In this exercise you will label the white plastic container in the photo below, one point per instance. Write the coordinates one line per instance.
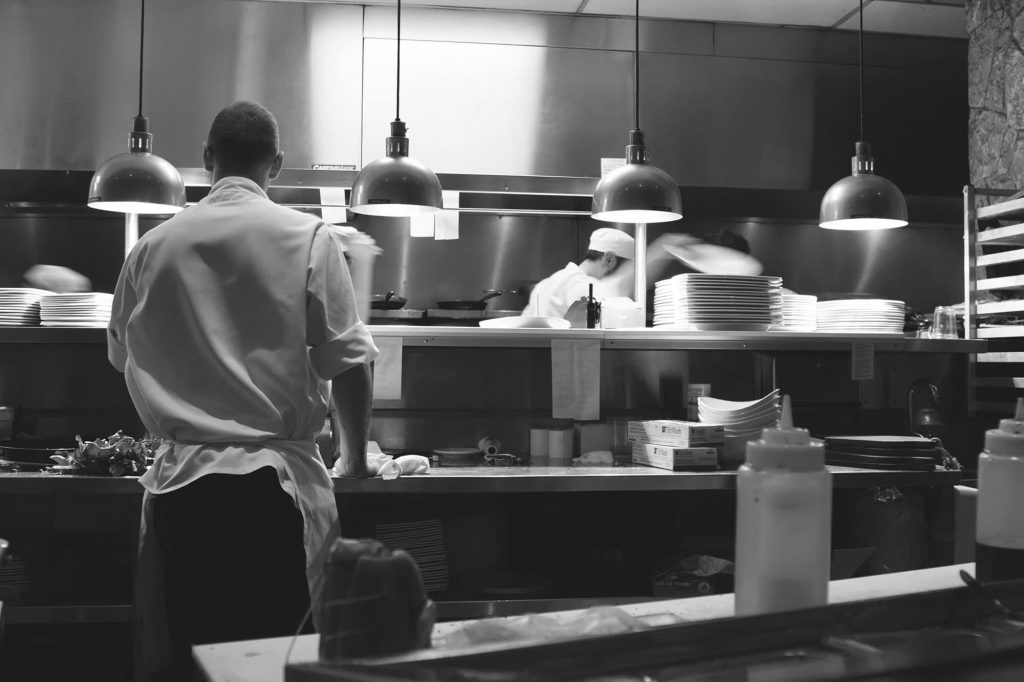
(783, 522)
(999, 541)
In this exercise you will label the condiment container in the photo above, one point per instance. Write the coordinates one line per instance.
(783, 521)
(999, 540)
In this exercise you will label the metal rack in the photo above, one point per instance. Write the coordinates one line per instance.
(994, 297)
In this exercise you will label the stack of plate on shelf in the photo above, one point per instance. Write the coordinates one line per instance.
(718, 302)
(424, 542)
(861, 315)
(19, 306)
(76, 310)
(741, 419)
(799, 313)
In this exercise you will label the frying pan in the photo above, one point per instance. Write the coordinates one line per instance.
(463, 304)
(388, 301)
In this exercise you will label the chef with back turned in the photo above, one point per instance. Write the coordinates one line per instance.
(235, 325)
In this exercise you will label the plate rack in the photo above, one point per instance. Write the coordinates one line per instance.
(994, 297)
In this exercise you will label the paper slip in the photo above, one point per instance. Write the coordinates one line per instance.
(576, 379)
(387, 369)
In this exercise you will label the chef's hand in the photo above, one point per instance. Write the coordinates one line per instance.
(577, 314)
(657, 248)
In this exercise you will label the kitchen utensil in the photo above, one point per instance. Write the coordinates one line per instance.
(466, 304)
(388, 301)
(714, 259)
(458, 457)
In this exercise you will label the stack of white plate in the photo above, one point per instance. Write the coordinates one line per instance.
(19, 306)
(718, 302)
(799, 313)
(861, 315)
(741, 419)
(76, 310)
(424, 541)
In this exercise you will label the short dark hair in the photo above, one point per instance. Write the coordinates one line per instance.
(598, 255)
(729, 239)
(243, 136)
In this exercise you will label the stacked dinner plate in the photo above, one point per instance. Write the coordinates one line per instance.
(424, 541)
(799, 313)
(19, 306)
(718, 302)
(741, 419)
(861, 315)
(76, 310)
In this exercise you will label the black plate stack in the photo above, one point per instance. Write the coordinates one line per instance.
(883, 452)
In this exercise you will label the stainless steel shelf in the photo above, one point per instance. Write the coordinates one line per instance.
(455, 480)
(484, 479)
(612, 339)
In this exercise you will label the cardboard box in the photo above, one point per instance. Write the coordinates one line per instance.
(676, 433)
(675, 459)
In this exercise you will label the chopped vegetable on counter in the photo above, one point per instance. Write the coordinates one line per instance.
(116, 455)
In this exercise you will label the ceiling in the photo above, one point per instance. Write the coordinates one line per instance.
(938, 18)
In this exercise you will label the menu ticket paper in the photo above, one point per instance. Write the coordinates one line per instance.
(576, 379)
(387, 369)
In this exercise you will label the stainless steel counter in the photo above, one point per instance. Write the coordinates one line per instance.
(611, 339)
(455, 480)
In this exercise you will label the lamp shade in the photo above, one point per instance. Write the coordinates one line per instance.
(863, 200)
(137, 181)
(396, 186)
(637, 193)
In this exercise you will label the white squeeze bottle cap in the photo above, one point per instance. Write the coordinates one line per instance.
(786, 446)
(1008, 439)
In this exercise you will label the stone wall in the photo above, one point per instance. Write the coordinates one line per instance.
(995, 92)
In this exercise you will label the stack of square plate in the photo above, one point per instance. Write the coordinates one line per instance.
(799, 313)
(741, 419)
(424, 542)
(861, 315)
(718, 302)
(76, 310)
(19, 306)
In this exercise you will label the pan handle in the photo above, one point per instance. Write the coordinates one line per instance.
(491, 293)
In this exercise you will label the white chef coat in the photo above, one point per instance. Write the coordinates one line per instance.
(551, 297)
(228, 321)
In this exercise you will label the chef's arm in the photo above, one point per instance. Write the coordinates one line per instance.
(659, 259)
(351, 393)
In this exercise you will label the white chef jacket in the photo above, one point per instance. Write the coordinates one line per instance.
(551, 297)
(228, 321)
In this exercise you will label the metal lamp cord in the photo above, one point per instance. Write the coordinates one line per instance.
(142, 44)
(636, 66)
(860, 62)
(398, 61)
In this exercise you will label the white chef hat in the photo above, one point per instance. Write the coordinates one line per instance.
(608, 239)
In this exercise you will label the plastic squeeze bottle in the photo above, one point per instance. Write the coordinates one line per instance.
(999, 543)
(783, 521)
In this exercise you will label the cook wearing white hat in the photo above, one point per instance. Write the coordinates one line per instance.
(607, 250)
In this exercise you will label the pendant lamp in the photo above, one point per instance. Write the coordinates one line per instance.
(396, 186)
(637, 192)
(863, 201)
(138, 181)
